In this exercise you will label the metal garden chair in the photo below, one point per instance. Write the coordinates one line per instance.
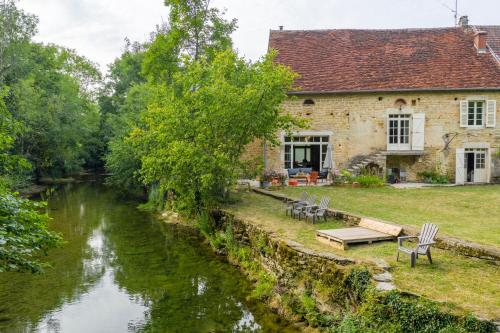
(290, 203)
(299, 207)
(317, 212)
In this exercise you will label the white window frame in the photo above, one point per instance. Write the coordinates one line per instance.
(483, 113)
(399, 114)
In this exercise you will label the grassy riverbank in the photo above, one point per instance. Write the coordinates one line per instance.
(466, 283)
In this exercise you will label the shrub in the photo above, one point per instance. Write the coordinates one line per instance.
(369, 181)
(433, 177)
(346, 176)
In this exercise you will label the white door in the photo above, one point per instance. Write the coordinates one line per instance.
(398, 132)
(480, 166)
(460, 166)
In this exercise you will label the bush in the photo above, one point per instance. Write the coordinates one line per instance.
(342, 176)
(433, 177)
(369, 181)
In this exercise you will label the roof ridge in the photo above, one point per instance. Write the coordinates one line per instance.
(367, 29)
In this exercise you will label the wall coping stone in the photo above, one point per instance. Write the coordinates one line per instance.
(460, 246)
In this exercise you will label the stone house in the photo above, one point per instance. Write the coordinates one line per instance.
(397, 102)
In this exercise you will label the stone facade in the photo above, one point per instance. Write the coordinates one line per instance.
(358, 126)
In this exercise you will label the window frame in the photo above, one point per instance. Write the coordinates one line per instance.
(290, 142)
(475, 113)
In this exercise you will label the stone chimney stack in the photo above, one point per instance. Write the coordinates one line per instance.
(480, 41)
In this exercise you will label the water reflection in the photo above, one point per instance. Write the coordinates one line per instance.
(104, 308)
(122, 271)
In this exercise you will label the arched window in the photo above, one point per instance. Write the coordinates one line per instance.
(309, 102)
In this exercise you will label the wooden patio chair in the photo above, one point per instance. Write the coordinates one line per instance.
(424, 243)
(317, 212)
(299, 207)
(290, 203)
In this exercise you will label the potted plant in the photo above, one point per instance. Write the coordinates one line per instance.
(281, 178)
(265, 179)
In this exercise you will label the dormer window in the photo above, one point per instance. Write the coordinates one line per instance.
(309, 102)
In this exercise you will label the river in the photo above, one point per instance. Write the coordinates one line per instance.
(122, 270)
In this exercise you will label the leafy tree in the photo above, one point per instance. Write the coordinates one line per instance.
(23, 230)
(124, 97)
(58, 115)
(195, 30)
(23, 234)
(200, 29)
(16, 30)
(193, 135)
(11, 166)
(123, 159)
(50, 93)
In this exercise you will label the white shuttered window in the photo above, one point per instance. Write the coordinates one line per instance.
(478, 114)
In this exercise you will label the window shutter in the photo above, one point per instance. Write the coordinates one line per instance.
(418, 129)
(491, 113)
(460, 166)
(463, 113)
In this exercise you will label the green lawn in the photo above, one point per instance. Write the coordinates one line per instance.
(471, 284)
(467, 212)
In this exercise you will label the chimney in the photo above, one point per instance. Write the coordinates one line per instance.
(463, 21)
(480, 41)
(281, 28)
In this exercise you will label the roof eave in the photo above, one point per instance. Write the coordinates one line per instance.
(330, 92)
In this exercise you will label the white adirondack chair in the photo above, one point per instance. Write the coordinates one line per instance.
(423, 246)
(316, 212)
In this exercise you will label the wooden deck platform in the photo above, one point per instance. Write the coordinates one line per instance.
(368, 231)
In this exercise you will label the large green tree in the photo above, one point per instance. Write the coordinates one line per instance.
(58, 113)
(50, 94)
(193, 135)
(16, 30)
(24, 236)
(48, 118)
(124, 96)
(195, 30)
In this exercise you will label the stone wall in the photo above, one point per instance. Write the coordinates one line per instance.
(358, 122)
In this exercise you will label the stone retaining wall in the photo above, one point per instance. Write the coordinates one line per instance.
(456, 245)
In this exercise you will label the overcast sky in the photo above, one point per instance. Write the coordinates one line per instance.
(97, 28)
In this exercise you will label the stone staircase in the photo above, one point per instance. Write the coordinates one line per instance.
(357, 163)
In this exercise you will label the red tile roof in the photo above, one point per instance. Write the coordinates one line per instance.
(385, 60)
(493, 38)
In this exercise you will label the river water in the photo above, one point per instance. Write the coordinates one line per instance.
(122, 270)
